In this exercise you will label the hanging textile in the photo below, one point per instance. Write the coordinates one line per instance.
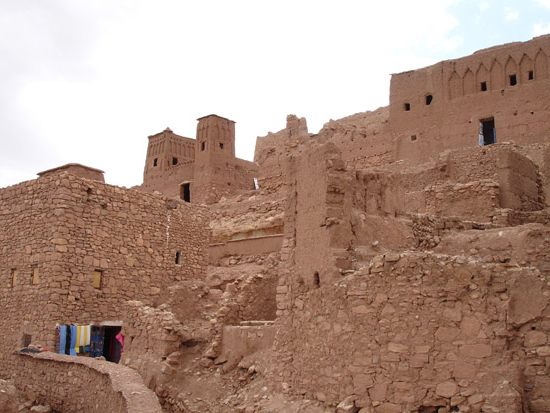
(96, 345)
(62, 339)
(73, 341)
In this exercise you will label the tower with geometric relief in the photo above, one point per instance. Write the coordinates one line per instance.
(215, 139)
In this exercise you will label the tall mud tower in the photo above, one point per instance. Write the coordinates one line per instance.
(215, 151)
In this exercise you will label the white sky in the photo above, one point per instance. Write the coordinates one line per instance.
(88, 80)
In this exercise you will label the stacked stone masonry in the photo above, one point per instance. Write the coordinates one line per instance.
(60, 229)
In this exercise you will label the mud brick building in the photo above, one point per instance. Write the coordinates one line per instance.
(494, 95)
(75, 249)
(200, 170)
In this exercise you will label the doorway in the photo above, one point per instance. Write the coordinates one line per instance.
(185, 192)
(487, 132)
(113, 343)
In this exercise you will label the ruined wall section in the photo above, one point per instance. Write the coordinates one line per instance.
(151, 337)
(419, 331)
(245, 218)
(364, 138)
(272, 152)
(101, 386)
(322, 231)
(472, 184)
(440, 107)
(518, 176)
(64, 229)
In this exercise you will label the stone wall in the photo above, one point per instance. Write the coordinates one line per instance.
(59, 230)
(418, 331)
(151, 335)
(79, 384)
(440, 107)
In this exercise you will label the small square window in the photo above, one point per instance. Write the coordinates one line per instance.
(155, 162)
(407, 107)
(221, 145)
(413, 137)
(34, 278)
(429, 99)
(174, 161)
(203, 146)
(98, 276)
(483, 86)
(178, 258)
(513, 80)
(531, 75)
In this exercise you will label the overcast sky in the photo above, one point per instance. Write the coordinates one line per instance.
(88, 80)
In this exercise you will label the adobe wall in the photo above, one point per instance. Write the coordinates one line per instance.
(244, 340)
(245, 246)
(78, 170)
(167, 151)
(420, 330)
(451, 119)
(168, 181)
(222, 179)
(100, 386)
(317, 214)
(470, 183)
(67, 228)
(364, 138)
(272, 151)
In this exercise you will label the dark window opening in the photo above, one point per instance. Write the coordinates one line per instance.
(487, 132)
(221, 145)
(26, 340)
(316, 279)
(155, 162)
(531, 75)
(407, 107)
(112, 345)
(483, 86)
(174, 161)
(413, 137)
(429, 99)
(203, 146)
(513, 80)
(185, 192)
(178, 258)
